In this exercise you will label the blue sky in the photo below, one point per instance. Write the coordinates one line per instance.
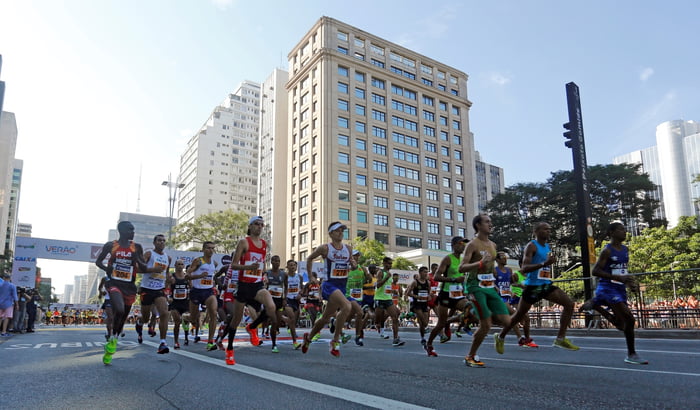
(103, 88)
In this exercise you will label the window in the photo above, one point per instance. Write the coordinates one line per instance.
(379, 132)
(343, 71)
(430, 162)
(342, 36)
(343, 214)
(445, 166)
(459, 200)
(382, 237)
(360, 162)
(360, 144)
(342, 88)
(455, 110)
(427, 81)
(378, 99)
(456, 139)
(342, 122)
(360, 126)
(378, 83)
(443, 120)
(303, 201)
(405, 156)
(362, 217)
(360, 56)
(342, 105)
(359, 43)
(448, 230)
(404, 189)
(431, 195)
(381, 220)
(379, 149)
(377, 63)
(343, 158)
(406, 172)
(344, 195)
(403, 92)
(303, 184)
(427, 115)
(444, 135)
(443, 106)
(460, 216)
(380, 202)
(359, 77)
(447, 214)
(454, 91)
(461, 232)
(404, 206)
(361, 233)
(407, 108)
(304, 166)
(428, 101)
(432, 211)
(405, 139)
(359, 109)
(445, 151)
(415, 242)
(361, 180)
(361, 198)
(447, 198)
(458, 170)
(304, 219)
(379, 166)
(407, 224)
(455, 125)
(428, 131)
(303, 238)
(457, 154)
(428, 146)
(360, 93)
(433, 244)
(401, 240)
(431, 178)
(380, 184)
(445, 182)
(343, 50)
(343, 176)
(378, 115)
(433, 228)
(441, 87)
(459, 185)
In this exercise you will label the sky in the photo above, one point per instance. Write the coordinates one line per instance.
(105, 91)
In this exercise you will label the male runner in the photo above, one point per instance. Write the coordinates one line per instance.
(516, 288)
(419, 290)
(292, 295)
(312, 293)
(153, 291)
(478, 264)
(106, 307)
(356, 280)
(125, 260)
(537, 264)
(179, 306)
(384, 304)
(276, 279)
(504, 278)
(201, 274)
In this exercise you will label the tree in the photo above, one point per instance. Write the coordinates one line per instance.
(402, 263)
(371, 250)
(224, 228)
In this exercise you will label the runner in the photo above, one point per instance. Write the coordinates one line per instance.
(292, 292)
(451, 295)
(312, 293)
(537, 264)
(356, 280)
(153, 292)
(368, 291)
(276, 279)
(611, 268)
(179, 305)
(384, 303)
(504, 277)
(433, 301)
(479, 266)
(419, 290)
(125, 260)
(516, 288)
(249, 260)
(338, 263)
(106, 307)
(201, 274)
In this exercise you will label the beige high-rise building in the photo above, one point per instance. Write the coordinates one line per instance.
(379, 139)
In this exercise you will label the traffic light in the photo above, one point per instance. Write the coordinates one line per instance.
(570, 136)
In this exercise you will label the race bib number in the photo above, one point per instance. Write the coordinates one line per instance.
(276, 291)
(388, 290)
(619, 271)
(123, 273)
(206, 282)
(434, 290)
(293, 289)
(356, 293)
(339, 272)
(422, 296)
(505, 291)
(545, 273)
(232, 287)
(160, 275)
(253, 274)
(486, 280)
(456, 291)
(313, 294)
(180, 294)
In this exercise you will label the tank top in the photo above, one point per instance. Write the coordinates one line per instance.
(455, 290)
(275, 283)
(503, 281)
(206, 282)
(121, 260)
(156, 281)
(541, 276)
(293, 286)
(383, 292)
(422, 290)
(616, 265)
(231, 280)
(313, 291)
(180, 289)
(356, 280)
(517, 291)
(254, 255)
(338, 265)
(368, 288)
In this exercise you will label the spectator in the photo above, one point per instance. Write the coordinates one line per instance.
(8, 302)
(20, 313)
(33, 298)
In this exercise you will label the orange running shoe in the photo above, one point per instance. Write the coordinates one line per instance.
(229, 357)
(254, 339)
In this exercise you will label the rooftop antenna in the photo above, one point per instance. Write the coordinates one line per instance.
(138, 198)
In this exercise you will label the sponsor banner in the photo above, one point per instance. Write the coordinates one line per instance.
(73, 306)
(318, 267)
(405, 276)
(24, 271)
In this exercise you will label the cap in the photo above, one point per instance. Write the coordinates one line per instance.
(355, 252)
(336, 225)
(458, 239)
(255, 219)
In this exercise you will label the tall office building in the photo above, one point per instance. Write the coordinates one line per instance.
(379, 139)
(219, 168)
(24, 229)
(672, 165)
(489, 182)
(67, 296)
(146, 227)
(12, 223)
(273, 154)
(8, 143)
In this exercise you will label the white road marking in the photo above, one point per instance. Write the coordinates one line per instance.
(325, 389)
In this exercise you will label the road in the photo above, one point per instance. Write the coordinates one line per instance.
(61, 368)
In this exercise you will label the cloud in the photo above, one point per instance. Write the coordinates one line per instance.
(646, 73)
(223, 4)
(498, 79)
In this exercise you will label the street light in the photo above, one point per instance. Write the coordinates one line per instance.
(172, 197)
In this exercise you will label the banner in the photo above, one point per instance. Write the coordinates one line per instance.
(24, 271)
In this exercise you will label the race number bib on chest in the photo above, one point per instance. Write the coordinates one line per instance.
(456, 291)
(486, 280)
(122, 273)
(180, 293)
(545, 273)
(339, 271)
(423, 296)
(619, 271)
(276, 291)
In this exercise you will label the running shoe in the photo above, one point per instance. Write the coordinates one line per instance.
(197, 339)
(635, 359)
(211, 346)
(448, 332)
(139, 331)
(151, 330)
(332, 326)
(296, 345)
(423, 342)
(306, 343)
(220, 344)
(359, 341)
(444, 339)
(275, 349)
(458, 334)
(163, 348)
(177, 345)
(345, 338)
(111, 346)
(220, 334)
(469, 332)
(398, 342)
(229, 357)
(316, 337)
(498, 343)
(335, 348)
(106, 359)
(430, 350)
(253, 333)
(564, 344)
(527, 342)
(187, 341)
(473, 361)
(383, 336)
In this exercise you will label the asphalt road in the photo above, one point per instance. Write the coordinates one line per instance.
(61, 368)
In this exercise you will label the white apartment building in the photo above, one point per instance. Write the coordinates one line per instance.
(8, 143)
(379, 139)
(219, 168)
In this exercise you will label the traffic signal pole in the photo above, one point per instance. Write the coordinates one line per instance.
(584, 226)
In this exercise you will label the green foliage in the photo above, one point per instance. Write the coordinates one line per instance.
(402, 263)
(372, 251)
(224, 228)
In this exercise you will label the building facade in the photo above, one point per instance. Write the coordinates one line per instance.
(672, 165)
(273, 154)
(489, 182)
(12, 223)
(24, 229)
(379, 139)
(219, 168)
(146, 227)
(8, 143)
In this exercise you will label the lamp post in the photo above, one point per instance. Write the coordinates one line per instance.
(172, 197)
